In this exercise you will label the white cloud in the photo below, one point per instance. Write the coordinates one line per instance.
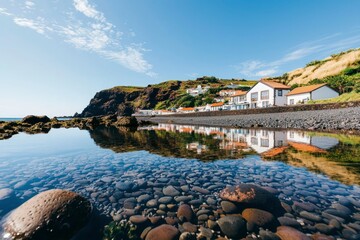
(327, 45)
(4, 11)
(37, 25)
(92, 33)
(88, 10)
(29, 4)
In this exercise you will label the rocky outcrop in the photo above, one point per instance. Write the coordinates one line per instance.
(54, 214)
(124, 100)
(32, 119)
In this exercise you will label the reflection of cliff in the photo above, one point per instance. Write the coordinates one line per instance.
(324, 165)
(163, 143)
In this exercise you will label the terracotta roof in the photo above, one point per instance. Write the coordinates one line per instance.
(187, 109)
(306, 89)
(274, 151)
(274, 84)
(239, 93)
(306, 147)
(218, 104)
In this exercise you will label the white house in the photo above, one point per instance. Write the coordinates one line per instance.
(267, 93)
(312, 92)
(216, 106)
(238, 101)
(197, 91)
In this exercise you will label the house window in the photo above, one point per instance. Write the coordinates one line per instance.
(265, 103)
(264, 94)
(254, 96)
(291, 101)
(254, 141)
(280, 93)
(264, 142)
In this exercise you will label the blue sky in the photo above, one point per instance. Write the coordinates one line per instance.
(56, 54)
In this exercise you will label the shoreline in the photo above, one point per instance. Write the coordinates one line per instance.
(340, 120)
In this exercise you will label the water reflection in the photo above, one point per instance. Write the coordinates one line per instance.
(337, 156)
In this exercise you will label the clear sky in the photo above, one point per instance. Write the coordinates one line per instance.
(56, 54)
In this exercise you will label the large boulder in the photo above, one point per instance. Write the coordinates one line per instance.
(250, 195)
(31, 119)
(163, 232)
(53, 214)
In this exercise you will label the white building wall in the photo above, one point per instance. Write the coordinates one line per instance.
(281, 100)
(259, 87)
(303, 97)
(323, 93)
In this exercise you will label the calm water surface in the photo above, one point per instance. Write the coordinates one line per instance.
(110, 165)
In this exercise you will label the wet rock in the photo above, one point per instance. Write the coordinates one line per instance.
(286, 221)
(228, 207)
(185, 213)
(31, 119)
(319, 236)
(310, 216)
(232, 226)
(139, 219)
(268, 235)
(323, 228)
(143, 198)
(152, 203)
(163, 232)
(165, 200)
(205, 233)
(252, 195)
(170, 191)
(286, 233)
(259, 218)
(200, 190)
(53, 214)
(189, 227)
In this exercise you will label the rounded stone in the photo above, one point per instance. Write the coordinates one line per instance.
(138, 219)
(228, 207)
(163, 232)
(260, 218)
(185, 213)
(53, 214)
(247, 193)
(232, 226)
(286, 233)
(170, 191)
(189, 227)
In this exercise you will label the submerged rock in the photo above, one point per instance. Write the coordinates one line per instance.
(286, 233)
(53, 214)
(163, 232)
(232, 226)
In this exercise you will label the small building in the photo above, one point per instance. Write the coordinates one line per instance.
(197, 91)
(186, 110)
(313, 92)
(266, 93)
(227, 92)
(216, 106)
(238, 101)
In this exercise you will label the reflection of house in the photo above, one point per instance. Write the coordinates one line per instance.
(197, 91)
(199, 148)
(267, 93)
(316, 141)
(312, 92)
(263, 140)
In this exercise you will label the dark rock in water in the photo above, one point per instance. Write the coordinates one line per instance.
(286, 233)
(53, 214)
(260, 218)
(310, 216)
(286, 221)
(267, 235)
(185, 213)
(319, 236)
(170, 191)
(31, 119)
(205, 233)
(189, 227)
(139, 219)
(163, 232)
(228, 207)
(233, 226)
(251, 195)
(323, 228)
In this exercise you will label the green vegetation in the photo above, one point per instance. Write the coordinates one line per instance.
(128, 88)
(120, 231)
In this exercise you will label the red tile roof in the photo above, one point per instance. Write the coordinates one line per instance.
(274, 84)
(306, 89)
(218, 104)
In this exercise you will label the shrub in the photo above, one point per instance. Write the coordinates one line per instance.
(351, 70)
